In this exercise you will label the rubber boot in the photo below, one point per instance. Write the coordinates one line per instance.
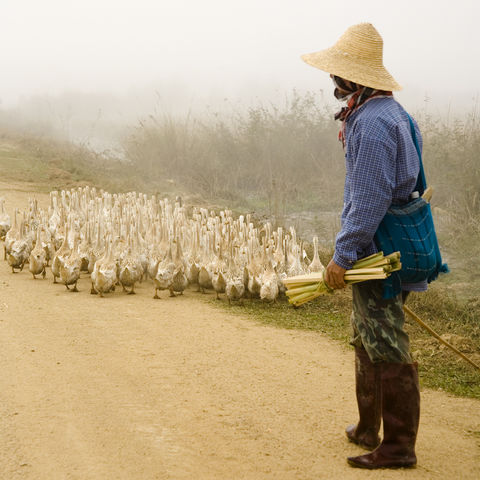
(401, 414)
(367, 380)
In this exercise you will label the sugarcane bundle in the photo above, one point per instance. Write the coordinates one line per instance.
(304, 288)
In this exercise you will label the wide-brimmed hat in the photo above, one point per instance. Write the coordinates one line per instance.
(357, 56)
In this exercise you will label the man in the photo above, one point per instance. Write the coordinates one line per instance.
(382, 166)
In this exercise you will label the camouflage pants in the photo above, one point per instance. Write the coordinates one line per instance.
(378, 324)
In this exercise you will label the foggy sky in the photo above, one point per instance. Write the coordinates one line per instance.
(229, 48)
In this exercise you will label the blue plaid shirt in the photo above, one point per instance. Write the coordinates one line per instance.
(382, 168)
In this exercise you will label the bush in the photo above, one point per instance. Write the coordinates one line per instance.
(277, 157)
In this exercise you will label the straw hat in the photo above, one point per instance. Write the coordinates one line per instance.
(357, 56)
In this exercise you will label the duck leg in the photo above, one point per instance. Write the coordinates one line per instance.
(132, 291)
(172, 293)
(75, 289)
(156, 294)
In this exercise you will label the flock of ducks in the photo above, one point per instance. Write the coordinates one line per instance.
(124, 239)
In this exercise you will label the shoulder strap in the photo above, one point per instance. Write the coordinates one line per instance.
(421, 181)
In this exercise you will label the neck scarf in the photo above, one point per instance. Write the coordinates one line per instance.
(355, 95)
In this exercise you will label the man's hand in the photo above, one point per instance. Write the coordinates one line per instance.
(334, 275)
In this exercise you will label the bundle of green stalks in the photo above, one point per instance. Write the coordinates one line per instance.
(304, 288)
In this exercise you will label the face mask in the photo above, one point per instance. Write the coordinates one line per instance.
(339, 93)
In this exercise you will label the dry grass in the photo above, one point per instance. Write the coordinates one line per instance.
(261, 159)
(53, 165)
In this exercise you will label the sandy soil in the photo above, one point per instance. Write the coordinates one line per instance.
(127, 387)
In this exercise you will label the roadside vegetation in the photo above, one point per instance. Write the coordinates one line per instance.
(439, 367)
(282, 163)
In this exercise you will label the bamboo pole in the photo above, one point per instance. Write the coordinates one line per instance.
(438, 337)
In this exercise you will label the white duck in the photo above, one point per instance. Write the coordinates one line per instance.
(254, 270)
(130, 269)
(47, 244)
(5, 222)
(235, 283)
(156, 254)
(37, 261)
(60, 256)
(70, 269)
(193, 268)
(11, 236)
(295, 266)
(180, 280)
(269, 283)
(104, 274)
(19, 252)
(219, 268)
(97, 251)
(164, 277)
(315, 265)
(205, 272)
(84, 247)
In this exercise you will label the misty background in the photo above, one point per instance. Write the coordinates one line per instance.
(85, 70)
(210, 101)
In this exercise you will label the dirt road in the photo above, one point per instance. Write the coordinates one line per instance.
(127, 387)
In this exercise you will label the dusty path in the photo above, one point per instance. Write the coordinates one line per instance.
(127, 387)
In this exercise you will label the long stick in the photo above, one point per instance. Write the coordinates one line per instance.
(438, 337)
